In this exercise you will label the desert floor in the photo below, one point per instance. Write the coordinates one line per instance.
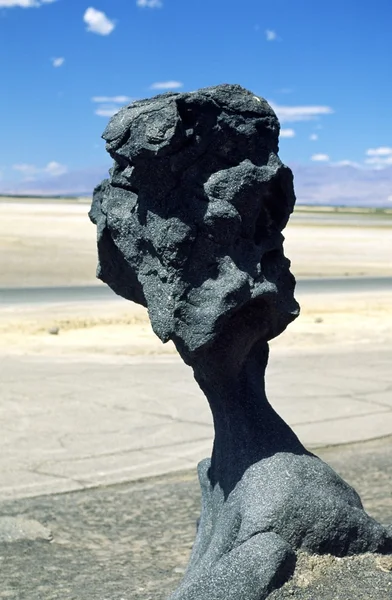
(52, 243)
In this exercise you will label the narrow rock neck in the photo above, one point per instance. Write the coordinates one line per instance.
(247, 428)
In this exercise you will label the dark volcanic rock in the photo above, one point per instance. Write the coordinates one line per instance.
(189, 225)
(190, 221)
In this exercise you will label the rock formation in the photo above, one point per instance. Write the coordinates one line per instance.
(190, 226)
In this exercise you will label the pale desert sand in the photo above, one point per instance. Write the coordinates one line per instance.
(53, 244)
(112, 328)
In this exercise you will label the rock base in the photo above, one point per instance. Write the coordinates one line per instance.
(361, 577)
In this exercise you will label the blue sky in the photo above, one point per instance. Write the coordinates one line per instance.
(68, 64)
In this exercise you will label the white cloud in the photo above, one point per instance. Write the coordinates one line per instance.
(58, 62)
(106, 111)
(270, 35)
(320, 157)
(313, 137)
(288, 114)
(166, 85)
(24, 3)
(287, 133)
(389, 198)
(21, 3)
(98, 22)
(25, 169)
(379, 157)
(52, 169)
(114, 99)
(346, 163)
(379, 161)
(382, 151)
(109, 105)
(149, 3)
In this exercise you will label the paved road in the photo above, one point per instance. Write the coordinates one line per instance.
(98, 292)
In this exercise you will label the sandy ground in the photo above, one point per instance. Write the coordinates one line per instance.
(53, 243)
(123, 328)
(44, 244)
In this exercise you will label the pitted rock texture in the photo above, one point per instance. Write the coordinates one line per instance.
(264, 497)
(190, 225)
(190, 220)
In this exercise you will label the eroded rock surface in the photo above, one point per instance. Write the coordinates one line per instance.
(190, 225)
(190, 220)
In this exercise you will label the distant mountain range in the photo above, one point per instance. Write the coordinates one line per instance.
(319, 184)
(73, 183)
(343, 185)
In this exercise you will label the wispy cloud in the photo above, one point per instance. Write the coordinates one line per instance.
(106, 111)
(271, 35)
(287, 114)
(381, 151)
(379, 157)
(313, 137)
(287, 133)
(346, 163)
(98, 22)
(24, 3)
(379, 161)
(52, 169)
(320, 157)
(166, 85)
(26, 170)
(114, 99)
(149, 3)
(109, 105)
(58, 62)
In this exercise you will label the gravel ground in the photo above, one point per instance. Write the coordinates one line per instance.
(132, 541)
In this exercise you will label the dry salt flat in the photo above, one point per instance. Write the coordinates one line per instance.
(64, 427)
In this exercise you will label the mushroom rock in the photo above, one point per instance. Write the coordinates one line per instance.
(190, 225)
